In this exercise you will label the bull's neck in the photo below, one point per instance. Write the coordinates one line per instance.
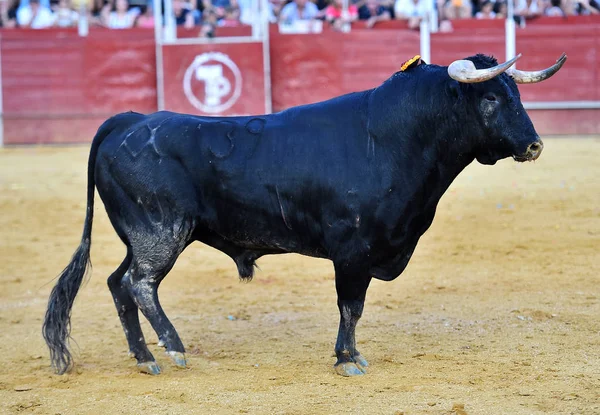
(422, 131)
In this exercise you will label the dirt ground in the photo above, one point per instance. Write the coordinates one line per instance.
(497, 313)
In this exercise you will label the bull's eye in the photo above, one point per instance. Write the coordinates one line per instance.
(491, 98)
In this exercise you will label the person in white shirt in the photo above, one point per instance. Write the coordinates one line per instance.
(411, 10)
(298, 10)
(121, 17)
(528, 8)
(65, 15)
(35, 16)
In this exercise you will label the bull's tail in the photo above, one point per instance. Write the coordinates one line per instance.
(57, 324)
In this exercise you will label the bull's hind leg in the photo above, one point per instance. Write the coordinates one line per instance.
(351, 289)
(128, 314)
(144, 290)
(154, 256)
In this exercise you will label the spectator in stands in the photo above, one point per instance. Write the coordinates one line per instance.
(555, 9)
(323, 4)
(411, 10)
(217, 10)
(388, 4)
(586, 7)
(487, 11)
(8, 13)
(275, 7)
(65, 15)
(146, 20)
(334, 14)
(183, 14)
(25, 3)
(528, 9)
(501, 10)
(219, 13)
(247, 12)
(373, 11)
(118, 16)
(232, 15)
(298, 10)
(457, 9)
(97, 11)
(35, 16)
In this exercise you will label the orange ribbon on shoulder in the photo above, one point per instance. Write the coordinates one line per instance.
(411, 63)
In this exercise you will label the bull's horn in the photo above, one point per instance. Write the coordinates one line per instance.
(465, 71)
(527, 77)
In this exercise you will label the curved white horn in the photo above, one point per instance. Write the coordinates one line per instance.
(465, 71)
(531, 77)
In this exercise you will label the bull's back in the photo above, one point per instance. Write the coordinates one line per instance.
(274, 181)
(262, 181)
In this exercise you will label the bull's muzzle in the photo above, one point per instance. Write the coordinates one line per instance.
(533, 152)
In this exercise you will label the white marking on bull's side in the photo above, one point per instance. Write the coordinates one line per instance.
(281, 209)
(370, 145)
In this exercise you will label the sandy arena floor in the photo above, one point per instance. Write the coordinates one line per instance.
(498, 312)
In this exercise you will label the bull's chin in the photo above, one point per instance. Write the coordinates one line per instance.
(526, 157)
(487, 159)
(522, 159)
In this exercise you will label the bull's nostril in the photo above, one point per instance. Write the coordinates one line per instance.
(535, 147)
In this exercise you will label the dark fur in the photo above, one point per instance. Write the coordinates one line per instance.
(355, 179)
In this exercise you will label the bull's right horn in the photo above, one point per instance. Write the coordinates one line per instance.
(465, 71)
(530, 77)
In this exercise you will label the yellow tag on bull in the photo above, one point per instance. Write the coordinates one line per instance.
(411, 63)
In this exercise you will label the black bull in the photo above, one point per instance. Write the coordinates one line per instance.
(355, 179)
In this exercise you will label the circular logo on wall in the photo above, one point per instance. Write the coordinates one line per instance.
(212, 83)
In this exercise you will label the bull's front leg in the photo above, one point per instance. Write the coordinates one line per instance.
(351, 290)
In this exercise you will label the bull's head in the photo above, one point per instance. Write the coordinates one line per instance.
(493, 98)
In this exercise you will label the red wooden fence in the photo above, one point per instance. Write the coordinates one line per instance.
(59, 87)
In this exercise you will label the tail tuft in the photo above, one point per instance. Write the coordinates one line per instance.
(57, 324)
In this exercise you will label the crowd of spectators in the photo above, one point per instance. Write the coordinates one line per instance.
(121, 14)
(209, 14)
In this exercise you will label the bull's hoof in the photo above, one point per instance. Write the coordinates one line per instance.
(161, 343)
(361, 362)
(178, 358)
(150, 368)
(350, 369)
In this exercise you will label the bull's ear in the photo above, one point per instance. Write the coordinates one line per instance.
(454, 88)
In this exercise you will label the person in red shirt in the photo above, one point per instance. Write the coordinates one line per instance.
(334, 14)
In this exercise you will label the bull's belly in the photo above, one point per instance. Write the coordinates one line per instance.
(253, 231)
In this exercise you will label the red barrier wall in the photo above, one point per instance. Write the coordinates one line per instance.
(310, 68)
(59, 87)
(579, 80)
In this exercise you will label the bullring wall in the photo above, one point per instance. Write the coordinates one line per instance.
(59, 87)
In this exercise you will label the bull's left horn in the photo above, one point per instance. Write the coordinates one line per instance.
(531, 77)
(465, 71)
